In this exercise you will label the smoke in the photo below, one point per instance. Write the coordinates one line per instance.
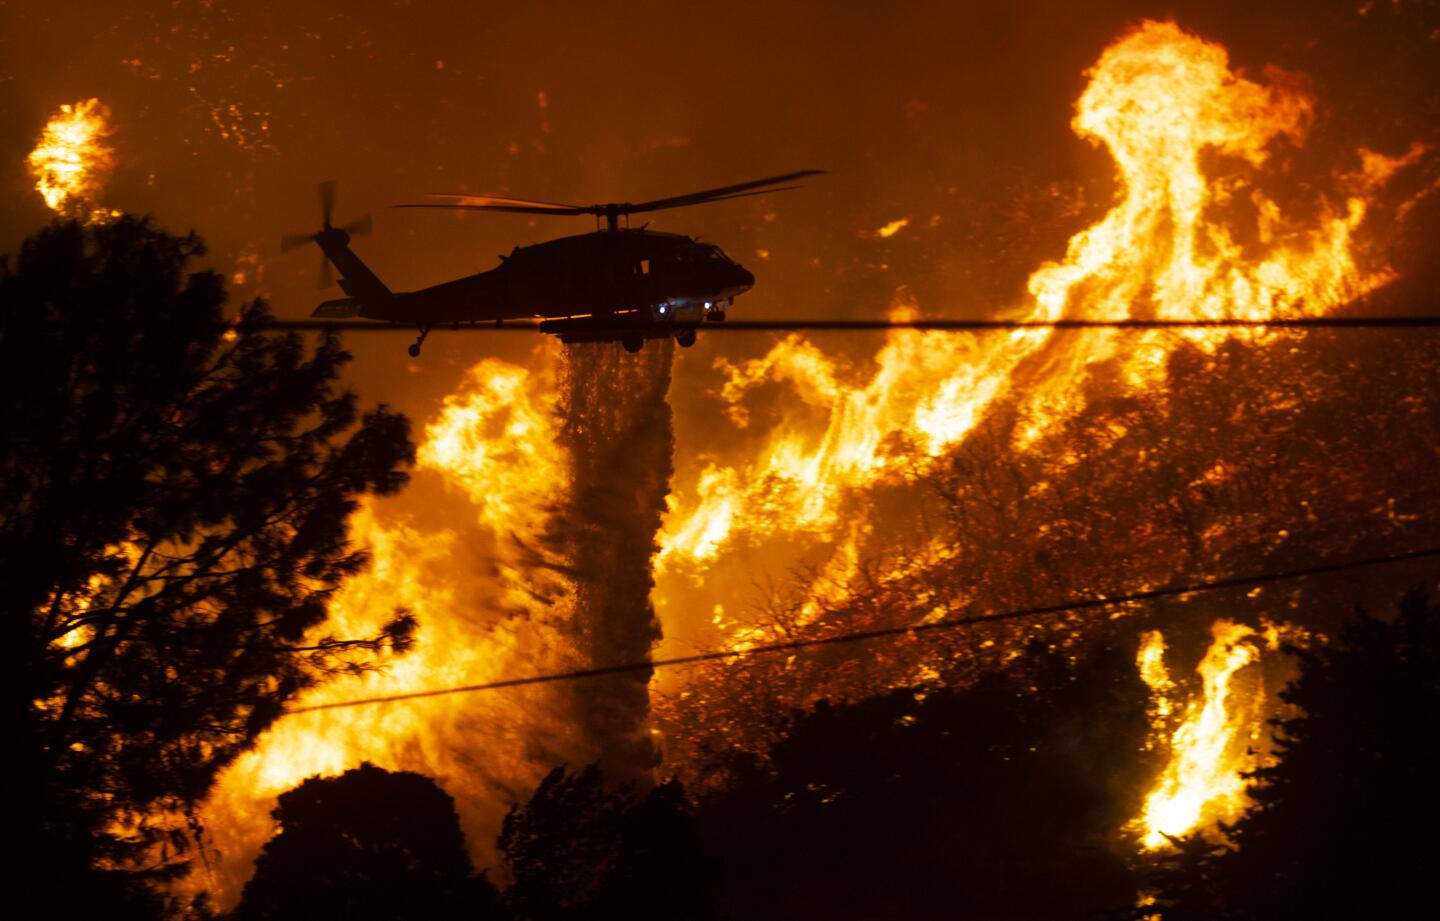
(617, 429)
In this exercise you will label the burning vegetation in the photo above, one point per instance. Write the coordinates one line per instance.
(72, 161)
(1212, 742)
(939, 477)
(1004, 429)
(1023, 436)
(547, 570)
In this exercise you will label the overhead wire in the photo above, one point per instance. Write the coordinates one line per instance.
(924, 628)
(1412, 321)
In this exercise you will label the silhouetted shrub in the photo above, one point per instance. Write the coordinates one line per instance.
(369, 844)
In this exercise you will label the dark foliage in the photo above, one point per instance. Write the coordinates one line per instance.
(174, 488)
(1344, 822)
(1001, 800)
(578, 850)
(369, 844)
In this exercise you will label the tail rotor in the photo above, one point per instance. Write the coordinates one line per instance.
(342, 234)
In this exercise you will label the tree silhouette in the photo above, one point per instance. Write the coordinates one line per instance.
(174, 488)
(1001, 800)
(369, 844)
(578, 850)
(1344, 821)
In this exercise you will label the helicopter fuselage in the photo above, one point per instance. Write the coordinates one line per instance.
(603, 286)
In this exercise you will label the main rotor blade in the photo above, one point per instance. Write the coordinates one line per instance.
(728, 191)
(492, 201)
(327, 201)
(510, 209)
(294, 241)
(648, 206)
(529, 206)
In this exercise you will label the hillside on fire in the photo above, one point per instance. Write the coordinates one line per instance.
(1023, 504)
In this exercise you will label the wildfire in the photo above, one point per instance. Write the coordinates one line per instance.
(1202, 782)
(497, 442)
(1193, 234)
(1153, 672)
(490, 460)
(1205, 224)
(74, 608)
(928, 391)
(1160, 101)
(482, 549)
(71, 162)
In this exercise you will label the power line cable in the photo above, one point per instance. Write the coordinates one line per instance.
(737, 326)
(1082, 604)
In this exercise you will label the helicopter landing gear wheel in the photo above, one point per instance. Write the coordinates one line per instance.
(414, 349)
(633, 343)
(685, 338)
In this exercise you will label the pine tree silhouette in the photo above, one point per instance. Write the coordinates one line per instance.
(174, 487)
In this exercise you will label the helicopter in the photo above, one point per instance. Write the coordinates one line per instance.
(614, 284)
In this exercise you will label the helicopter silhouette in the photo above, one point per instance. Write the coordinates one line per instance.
(614, 284)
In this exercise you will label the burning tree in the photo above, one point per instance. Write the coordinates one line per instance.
(72, 161)
(175, 492)
(953, 476)
(1343, 821)
(1260, 457)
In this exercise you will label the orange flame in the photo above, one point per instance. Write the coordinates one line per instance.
(490, 460)
(1193, 235)
(71, 161)
(1202, 783)
(74, 628)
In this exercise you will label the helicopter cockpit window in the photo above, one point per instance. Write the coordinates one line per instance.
(644, 266)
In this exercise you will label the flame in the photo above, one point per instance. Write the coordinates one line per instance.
(482, 549)
(929, 390)
(1202, 783)
(490, 460)
(71, 162)
(1161, 101)
(497, 442)
(71, 609)
(1194, 233)
(1153, 672)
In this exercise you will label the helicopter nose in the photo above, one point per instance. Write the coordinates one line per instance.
(743, 277)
